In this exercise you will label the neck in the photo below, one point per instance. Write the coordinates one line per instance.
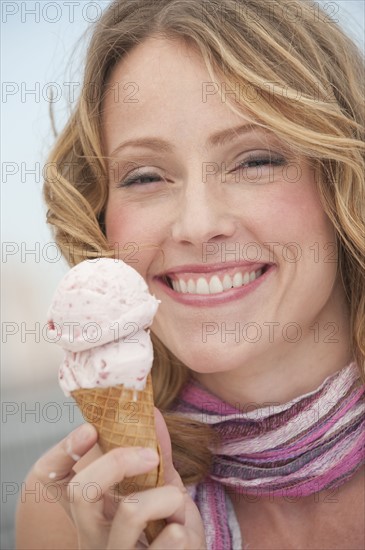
(310, 522)
(286, 370)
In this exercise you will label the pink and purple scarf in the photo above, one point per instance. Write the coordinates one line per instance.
(312, 443)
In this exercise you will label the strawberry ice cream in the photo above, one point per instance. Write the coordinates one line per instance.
(98, 315)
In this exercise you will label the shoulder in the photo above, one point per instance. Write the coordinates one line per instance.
(41, 521)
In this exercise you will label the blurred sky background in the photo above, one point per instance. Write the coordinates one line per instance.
(35, 51)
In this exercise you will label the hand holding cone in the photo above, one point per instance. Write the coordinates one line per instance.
(104, 369)
(125, 418)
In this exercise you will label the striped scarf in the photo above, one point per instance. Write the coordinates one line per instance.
(312, 443)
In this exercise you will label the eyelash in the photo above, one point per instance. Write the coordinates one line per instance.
(275, 161)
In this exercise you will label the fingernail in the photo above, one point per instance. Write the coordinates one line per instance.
(148, 454)
(70, 452)
(82, 433)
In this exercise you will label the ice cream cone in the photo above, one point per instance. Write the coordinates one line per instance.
(125, 418)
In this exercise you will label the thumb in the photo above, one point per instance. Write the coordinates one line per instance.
(170, 474)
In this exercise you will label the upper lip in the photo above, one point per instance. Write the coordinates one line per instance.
(208, 268)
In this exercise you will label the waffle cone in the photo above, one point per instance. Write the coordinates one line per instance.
(125, 418)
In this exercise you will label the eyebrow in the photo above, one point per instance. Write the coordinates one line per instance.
(217, 139)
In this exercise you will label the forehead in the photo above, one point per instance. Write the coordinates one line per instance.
(155, 64)
(163, 84)
(161, 55)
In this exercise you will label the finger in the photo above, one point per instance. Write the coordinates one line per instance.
(134, 513)
(96, 480)
(57, 463)
(178, 537)
(55, 468)
(171, 475)
(173, 536)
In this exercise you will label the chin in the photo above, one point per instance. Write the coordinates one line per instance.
(213, 359)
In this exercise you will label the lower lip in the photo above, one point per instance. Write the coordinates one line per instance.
(199, 300)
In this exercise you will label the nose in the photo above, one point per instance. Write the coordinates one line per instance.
(202, 215)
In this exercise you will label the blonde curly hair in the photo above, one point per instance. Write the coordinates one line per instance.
(308, 79)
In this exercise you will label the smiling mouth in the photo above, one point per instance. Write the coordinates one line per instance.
(213, 284)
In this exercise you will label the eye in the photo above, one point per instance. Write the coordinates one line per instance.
(258, 168)
(141, 179)
(254, 162)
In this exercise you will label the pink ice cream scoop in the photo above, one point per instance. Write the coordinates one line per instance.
(98, 315)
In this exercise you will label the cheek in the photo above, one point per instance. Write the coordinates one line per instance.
(135, 233)
(128, 223)
(295, 215)
(118, 224)
(307, 254)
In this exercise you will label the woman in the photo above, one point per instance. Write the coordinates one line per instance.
(239, 198)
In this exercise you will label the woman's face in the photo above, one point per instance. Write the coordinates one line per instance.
(259, 228)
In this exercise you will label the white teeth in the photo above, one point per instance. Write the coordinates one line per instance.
(202, 286)
(191, 286)
(176, 285)
(237, 280)
(227, 282)
(183, 286)
(215, 285)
